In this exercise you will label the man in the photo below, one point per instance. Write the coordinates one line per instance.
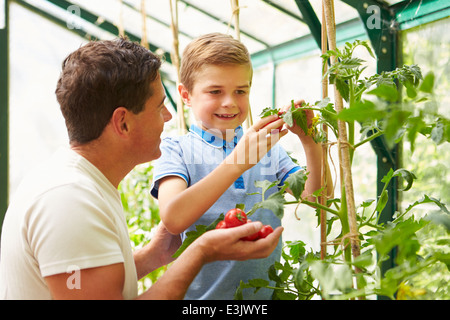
(65, 235)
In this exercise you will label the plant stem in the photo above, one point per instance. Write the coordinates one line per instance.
(316, 205)
(375, 135)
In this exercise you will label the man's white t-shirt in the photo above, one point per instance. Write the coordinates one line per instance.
(65, 217)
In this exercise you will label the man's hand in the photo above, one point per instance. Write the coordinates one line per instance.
(226, 244)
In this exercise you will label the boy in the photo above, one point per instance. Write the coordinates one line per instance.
(207, 171)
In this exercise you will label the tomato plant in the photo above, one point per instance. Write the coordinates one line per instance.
(378, 106)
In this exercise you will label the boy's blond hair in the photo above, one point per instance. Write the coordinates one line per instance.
(211, 49)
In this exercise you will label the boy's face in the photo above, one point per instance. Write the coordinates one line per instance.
(220, 96)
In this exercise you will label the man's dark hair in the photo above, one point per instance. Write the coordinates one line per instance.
(100, 77)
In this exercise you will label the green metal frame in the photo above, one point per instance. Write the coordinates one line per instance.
(384, 41)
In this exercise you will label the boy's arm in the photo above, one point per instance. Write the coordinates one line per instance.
(180, 206)
(314, 157)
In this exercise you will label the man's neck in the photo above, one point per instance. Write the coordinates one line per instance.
(104, 159)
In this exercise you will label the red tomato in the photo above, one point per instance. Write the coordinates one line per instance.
(265, 231)
(251, 237)
(221, 225)
(235, 217)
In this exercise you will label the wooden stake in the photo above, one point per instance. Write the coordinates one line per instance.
(175, 55)
(144, 41)
(235, 9)
(323, 198)
(120, 24)
(343, 139)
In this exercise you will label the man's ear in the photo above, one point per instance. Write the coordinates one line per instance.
(184, 94)
(120, 121)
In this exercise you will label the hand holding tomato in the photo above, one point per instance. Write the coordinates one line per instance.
(237, 217)
(227, 244)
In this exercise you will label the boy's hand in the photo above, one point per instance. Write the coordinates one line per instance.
(309, 116)
(256, 142)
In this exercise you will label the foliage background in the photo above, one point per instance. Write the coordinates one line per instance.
(142, 213)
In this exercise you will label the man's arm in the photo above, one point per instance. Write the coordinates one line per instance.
(157, 253)
(101, 283)
(223, 244)
(107, 282)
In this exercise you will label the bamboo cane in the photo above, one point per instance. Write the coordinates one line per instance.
(343, 144)
(144, 41)
(175, 56)
(235, 14)
(120, 27)
(323, 198)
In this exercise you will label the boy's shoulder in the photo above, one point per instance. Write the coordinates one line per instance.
(177, 139)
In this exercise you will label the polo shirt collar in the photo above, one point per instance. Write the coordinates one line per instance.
(214, 140)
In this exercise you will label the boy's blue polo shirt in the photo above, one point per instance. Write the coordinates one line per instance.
(192, 157)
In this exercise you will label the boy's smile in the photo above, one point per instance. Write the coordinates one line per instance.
(220, 96)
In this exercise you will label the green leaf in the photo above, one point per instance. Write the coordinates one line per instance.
(265, 185)
(364, 260)
(388, 176)
(394, 127)
(367, 203)
(382, 201)
(438, 132)
(343, 88)
(253, 283)
(351, 63)
(361, 111)
(299, 116)
(407, 175)
(275, 203)
(296, 182)
(427, 83)
(191, 236)
(427, 199)
(439, 218)
(328, 113)
(411, 91)
(385, 92)
(396, 234)
(268, 112)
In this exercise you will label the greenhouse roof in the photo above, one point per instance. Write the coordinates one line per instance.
(264, 25)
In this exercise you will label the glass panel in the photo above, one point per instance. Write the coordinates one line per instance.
(37, 129)
(429, 47)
